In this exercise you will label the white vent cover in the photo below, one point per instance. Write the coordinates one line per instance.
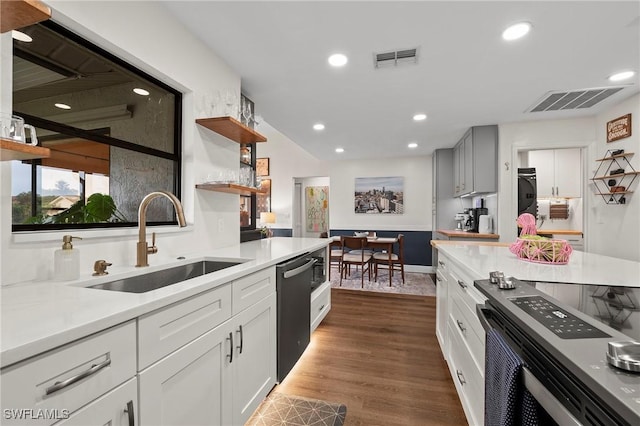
(574, 99)
(395, 57)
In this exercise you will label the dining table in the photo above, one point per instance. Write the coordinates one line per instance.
(382, 243)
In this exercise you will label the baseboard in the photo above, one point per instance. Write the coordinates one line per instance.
(420, 268)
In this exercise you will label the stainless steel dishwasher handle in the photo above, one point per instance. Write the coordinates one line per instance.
(300, 269)
(71, 380)
(554, 408)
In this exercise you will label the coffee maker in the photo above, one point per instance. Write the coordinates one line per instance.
(474, 217)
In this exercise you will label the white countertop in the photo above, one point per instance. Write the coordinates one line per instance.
(583, 268)
(39, 316)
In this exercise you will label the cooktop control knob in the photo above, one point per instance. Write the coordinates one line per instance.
(495, 277)
(506, 283)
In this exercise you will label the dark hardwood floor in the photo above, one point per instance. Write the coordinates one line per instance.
(378, 354)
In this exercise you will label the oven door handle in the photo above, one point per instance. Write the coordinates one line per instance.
(554, 408)
(484, 312)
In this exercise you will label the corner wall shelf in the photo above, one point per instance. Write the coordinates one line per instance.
(229, 188)
(622, 180)
(18, 14)
(232, 129)
(10, 150)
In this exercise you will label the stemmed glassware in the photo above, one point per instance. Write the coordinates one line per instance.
(246, 113)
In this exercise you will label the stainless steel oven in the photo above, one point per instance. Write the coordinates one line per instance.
(564, 350)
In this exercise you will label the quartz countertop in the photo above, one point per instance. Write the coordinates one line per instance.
(455, 233)
(39, 316)
(583, 268)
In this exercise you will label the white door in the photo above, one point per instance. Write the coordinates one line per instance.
(192, 386)
(298, 199)
(568, 172)
(113, 408)
(254, 359)
(543, 161)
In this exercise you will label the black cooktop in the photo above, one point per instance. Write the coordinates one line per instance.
(562, 323)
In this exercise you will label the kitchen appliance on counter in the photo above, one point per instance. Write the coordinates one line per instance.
(527, 191)
(485, 224)
(474, 217)
(462, 220)
(562, 333)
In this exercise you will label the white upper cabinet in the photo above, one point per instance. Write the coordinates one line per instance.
(558, 172)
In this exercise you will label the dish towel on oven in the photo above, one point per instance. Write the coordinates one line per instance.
(506, 401)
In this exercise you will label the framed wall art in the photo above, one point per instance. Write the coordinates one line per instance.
(379, 195)
(262, 167)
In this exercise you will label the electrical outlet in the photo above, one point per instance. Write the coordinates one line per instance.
(220, 225)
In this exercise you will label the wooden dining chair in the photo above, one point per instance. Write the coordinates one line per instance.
(335, 255)
(390, 261)
(361, 258)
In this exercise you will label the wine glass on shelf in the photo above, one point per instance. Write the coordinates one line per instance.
(246, 113)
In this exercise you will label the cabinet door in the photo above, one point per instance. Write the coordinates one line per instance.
(254, 357)
(568, 172)
(457, 166)
(192, 386)
(467, 171)
(441, 310)
(117, 408)
(543, 161)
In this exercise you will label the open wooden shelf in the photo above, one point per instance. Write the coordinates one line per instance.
(18, 14)
(625, 154)
(614, 193)
(619, 175)
(232, 129)
(230, 188)
(10, 150)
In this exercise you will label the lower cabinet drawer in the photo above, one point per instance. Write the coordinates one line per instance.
(253, 288)
(163, 331)
(470, 329)
(59, 382)
(320, 304)
(467, 378)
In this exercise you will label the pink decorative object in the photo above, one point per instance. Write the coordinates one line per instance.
(539, 250)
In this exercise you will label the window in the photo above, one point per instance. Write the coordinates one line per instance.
(109, 147)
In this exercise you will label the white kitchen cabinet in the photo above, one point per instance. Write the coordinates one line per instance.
(476, 161)
(320, 304)
(461, 335)
(117, 408)
(558, 172)
(59, 382)
(442, 289)
(220, 377)
(191, 386)
(254, 366)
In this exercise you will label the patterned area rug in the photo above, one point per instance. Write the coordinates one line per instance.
(415, 282)
(280, 409)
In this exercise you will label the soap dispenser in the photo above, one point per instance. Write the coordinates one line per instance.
(66, 261)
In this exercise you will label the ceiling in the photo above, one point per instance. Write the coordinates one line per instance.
(465, 75)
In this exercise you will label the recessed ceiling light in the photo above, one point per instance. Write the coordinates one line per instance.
(516, 31)
(141, 92)
(420, 117)
(62, 106)
(339, 150)
(318, 126)
(338, 60)
(20, 36)
(622, 76)
(413, 145)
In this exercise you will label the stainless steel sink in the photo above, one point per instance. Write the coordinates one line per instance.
(159, 279)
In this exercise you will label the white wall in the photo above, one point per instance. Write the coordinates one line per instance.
(615, 228)
(146, 35)
(514, 137)
(287, 161)
(417, 194)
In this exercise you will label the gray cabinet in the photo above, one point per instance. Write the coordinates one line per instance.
(476, 161)
(445, 205)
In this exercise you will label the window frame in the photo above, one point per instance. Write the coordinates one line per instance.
(176, 157)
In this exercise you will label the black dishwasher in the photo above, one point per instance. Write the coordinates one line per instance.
(293, 285)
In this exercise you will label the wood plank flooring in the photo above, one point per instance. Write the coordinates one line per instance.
(378, 354)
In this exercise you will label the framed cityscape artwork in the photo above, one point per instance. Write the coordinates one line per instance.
(379, 195)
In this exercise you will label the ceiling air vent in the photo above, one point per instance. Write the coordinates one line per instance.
(395, 58)
(575, 99)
